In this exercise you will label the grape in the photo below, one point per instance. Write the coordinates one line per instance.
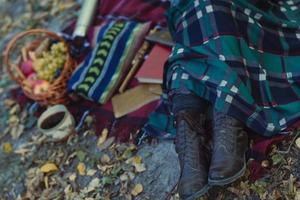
(51, 62)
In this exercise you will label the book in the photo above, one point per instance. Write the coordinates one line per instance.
(151, 70)
(134, 98)
(161, 36)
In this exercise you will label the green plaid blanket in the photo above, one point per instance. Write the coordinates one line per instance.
(241, 55)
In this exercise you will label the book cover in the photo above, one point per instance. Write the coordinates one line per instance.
(151, 70)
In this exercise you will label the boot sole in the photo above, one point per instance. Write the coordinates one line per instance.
(229, 180)
(200, 193)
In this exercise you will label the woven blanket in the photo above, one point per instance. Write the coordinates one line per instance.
(105, 66)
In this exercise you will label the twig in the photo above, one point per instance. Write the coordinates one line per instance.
(291, 144)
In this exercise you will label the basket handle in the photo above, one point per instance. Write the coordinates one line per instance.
(13, 42)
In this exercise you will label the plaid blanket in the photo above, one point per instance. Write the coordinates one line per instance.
(242, 56)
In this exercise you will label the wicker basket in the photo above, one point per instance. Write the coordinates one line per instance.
(57, 92)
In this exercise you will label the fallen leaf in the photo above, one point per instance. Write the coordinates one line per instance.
(68, 190)
(95, 183)
(81, 168)
(81, 155)
(106, 144)
(22, 151)
(137, 160)
(16, 131)
(49, 167)
(89, 120)
(298, 142)
(91, 172)
(138, 188)
(9, 103)
(297, 196)
(15, 109)
(277, 194)
(106, 180)
(139, 167)
(105, 159)
(103, 137)
(7, 148)
(277, 159)
(72, 177)
(124, 177)
(265, 163)
(13, 119)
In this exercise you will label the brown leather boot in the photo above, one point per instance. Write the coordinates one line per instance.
(230, 142)
(193, 154)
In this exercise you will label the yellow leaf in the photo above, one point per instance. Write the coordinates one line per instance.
(138, 188)
(298, 142)
(49, 167)
(81, 168)
(103, 137)
(137, 160)
(7, 148)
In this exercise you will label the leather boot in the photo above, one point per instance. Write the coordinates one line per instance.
(230, 142)
(193, 154)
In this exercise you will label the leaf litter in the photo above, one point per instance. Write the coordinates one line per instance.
(86, 166)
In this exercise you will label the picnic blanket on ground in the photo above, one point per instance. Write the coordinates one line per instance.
(159, 124)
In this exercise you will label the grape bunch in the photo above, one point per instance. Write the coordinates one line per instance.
(50, 62)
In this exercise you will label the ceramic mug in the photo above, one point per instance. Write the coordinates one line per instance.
(56, 122)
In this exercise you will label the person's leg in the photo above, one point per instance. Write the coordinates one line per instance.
(191, 145)
(230, 142)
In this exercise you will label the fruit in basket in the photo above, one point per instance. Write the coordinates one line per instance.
(40, 87)
(27, 68)
(50, 62)
(31, 79)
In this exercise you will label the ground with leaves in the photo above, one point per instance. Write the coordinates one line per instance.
(90, 167)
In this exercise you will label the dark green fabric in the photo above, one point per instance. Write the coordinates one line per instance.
(242, 59)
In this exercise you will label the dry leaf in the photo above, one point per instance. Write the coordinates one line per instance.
(23, 151)
(9, 103)
(298, 142)
(72, 177)
(95, 183)
(137, 160)
(265, 163)
(106, 144)
(15, 109)
(139, 167)
(297, 196)
(105, 159)
(13, 119)
(81, 168)
(138, 188)
(49, 167)
(103, 137)
(124, 177)
(16, 131)
(7, 148)
(68, 190)
(91, 172)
